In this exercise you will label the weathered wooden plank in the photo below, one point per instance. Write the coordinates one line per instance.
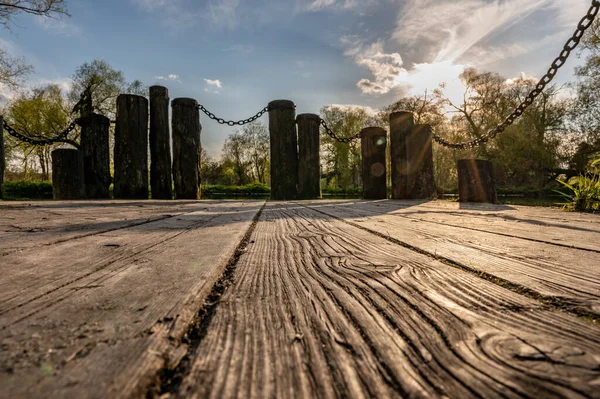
(104, 329)
(322, 309)
(571, 274)
(545, 225)
(33, 224)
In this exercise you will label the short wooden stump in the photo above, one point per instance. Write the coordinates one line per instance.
(476, 181)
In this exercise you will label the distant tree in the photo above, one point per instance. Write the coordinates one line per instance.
(256, 140)
(341, 161)
(45, 8)
(235, 156)
(13, 71)
(41, 113)
(96, 86)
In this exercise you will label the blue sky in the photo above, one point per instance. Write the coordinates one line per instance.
(234, 56)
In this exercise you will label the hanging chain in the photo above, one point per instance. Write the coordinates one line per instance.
(332, 134)
(26, 139)
(569, 46)
(232, 123)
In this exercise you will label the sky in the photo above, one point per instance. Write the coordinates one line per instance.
(234, 56)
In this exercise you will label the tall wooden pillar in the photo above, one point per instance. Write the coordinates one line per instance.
(96, 157)
(67, 174)
(373, 142)
(186, 148)
(309, 167)
(2, 157)
(419, 154)
(161, 181)
(131, 147)
(476, 181)
(401, 124)
(284, 150)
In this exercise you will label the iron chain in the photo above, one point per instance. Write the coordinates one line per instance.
(26, 139)
(242, 122)
(332, 134)
(569, 46)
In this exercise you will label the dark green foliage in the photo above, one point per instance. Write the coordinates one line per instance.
(28, 190)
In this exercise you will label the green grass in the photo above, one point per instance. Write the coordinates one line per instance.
(27, 190)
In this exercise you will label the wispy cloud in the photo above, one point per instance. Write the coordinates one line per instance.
(172, 77)
(215, 82)
(348, 5)
(240, 48)
(183, 14)
(386, 68)
(59, 27)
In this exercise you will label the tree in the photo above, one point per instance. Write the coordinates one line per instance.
(40, 113)
(342, 160)
(235, 156)
(13, 71)
(256, 140)
(45, 8)
(96, 86)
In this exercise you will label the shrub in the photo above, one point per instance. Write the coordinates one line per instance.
(584, 192)
(28, 190)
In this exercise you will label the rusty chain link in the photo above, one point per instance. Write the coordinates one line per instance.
(569, 46)
(332, 134)
(26, 139)
(242, 122)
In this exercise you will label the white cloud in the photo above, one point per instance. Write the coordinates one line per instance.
(240, 48)
(172, 77)
(215, 82)
(386, 68)
(60, 27)
(343, 5)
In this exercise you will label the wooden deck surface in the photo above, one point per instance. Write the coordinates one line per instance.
(308, 299)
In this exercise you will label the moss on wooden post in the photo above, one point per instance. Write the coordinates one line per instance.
(401, 124)
(2, 157)
(284, 150)
(373, 142)
(309, 168)
(67, 174)
(96, 157)
(131, 147)
(476, 181)
(161, 182)
(186, 148)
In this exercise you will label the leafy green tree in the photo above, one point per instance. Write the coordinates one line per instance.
(96, 86)
(341, 161)
(41, 113)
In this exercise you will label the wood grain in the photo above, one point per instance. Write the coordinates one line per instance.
(34, 224)
(102, 315)
(319, 308)
(570, 274)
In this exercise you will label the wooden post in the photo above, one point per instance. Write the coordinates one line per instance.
(419, 154)
(2, 158)
(476, 181)
(96, 157)
(373, 142)
(67, 174)
(161, 181)
(284, 150)
(401, 124)
(131, 147)
(186, 148)
(309, 167)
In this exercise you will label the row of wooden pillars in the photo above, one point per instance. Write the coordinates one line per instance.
(142, 132)
(295, 166)
(295, 160)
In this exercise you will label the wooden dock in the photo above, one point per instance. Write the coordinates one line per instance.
(307, 299)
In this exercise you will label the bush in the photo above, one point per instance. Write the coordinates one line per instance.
(248, 189)
(28, 190)
(584, 192)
